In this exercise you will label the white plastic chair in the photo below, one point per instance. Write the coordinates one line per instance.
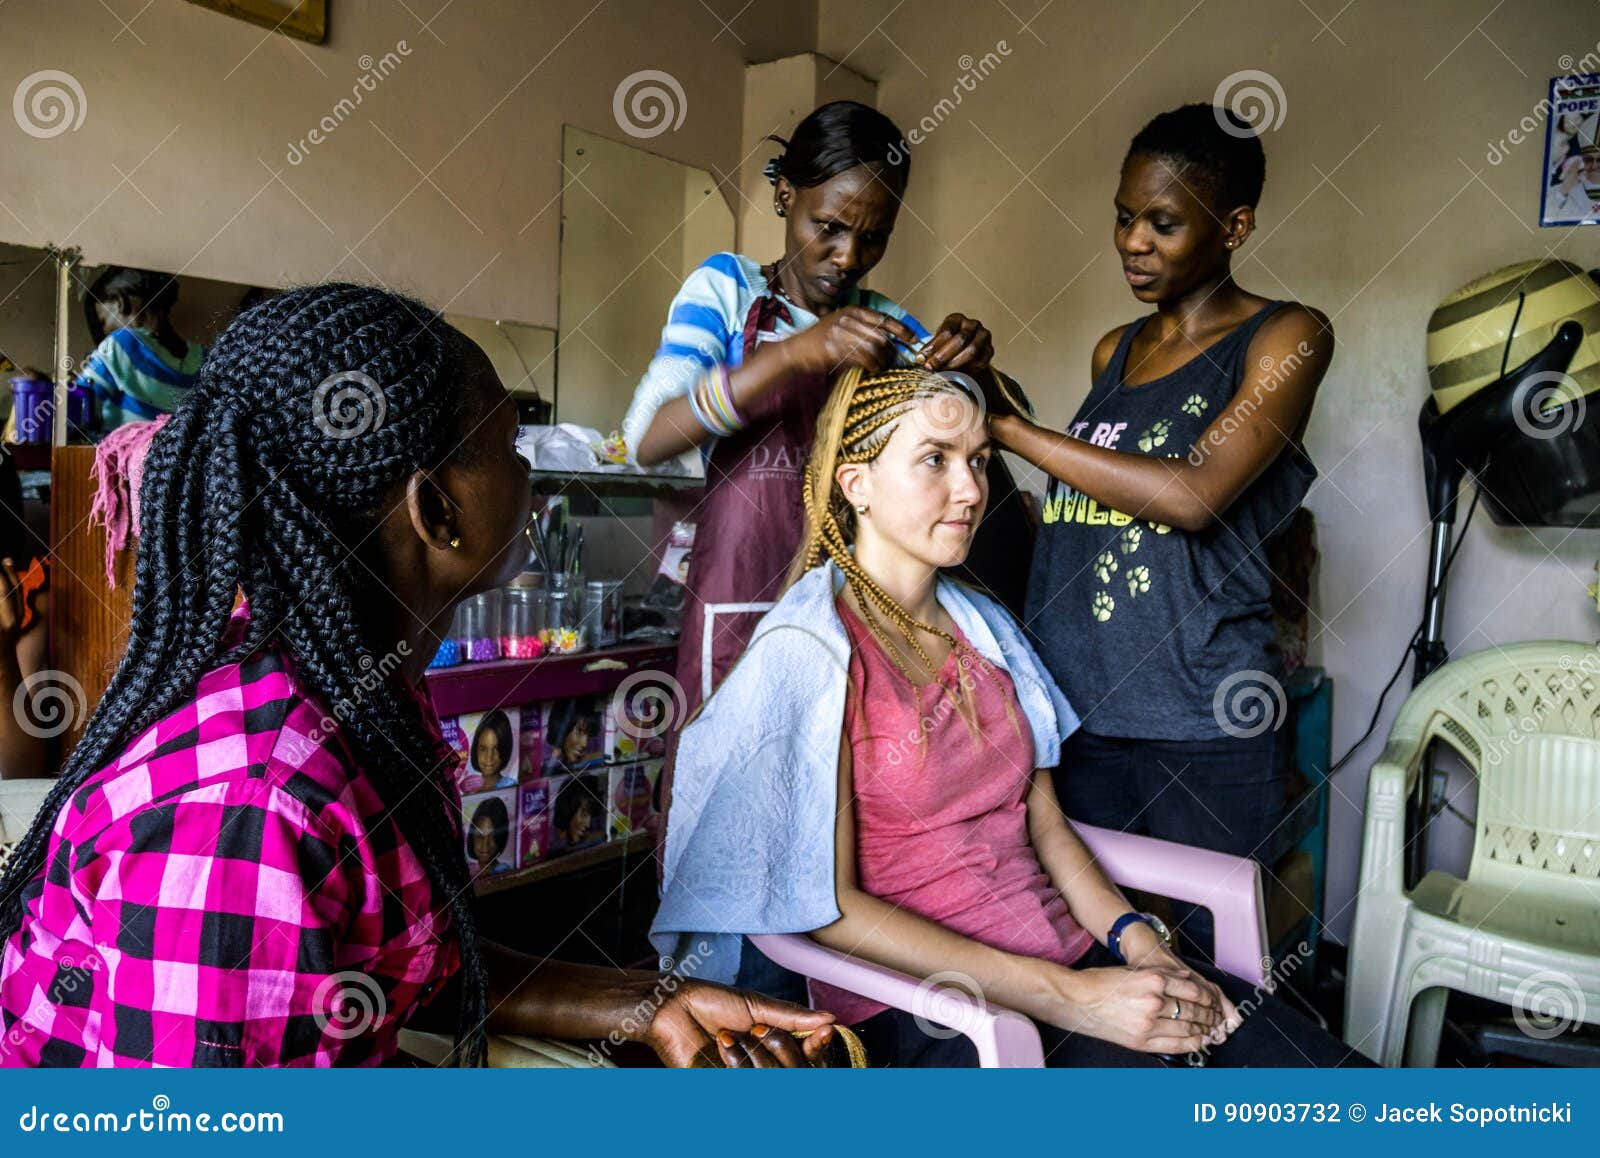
(1229, 886)
(1524, 927)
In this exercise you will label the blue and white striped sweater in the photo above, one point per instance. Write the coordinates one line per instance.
(705, 326)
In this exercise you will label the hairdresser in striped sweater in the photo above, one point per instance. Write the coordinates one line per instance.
(745, 363)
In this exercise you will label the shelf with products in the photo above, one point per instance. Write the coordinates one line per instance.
(479, 687)
(587, 804)
(561, 750)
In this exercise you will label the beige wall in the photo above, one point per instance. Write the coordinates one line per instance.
(1009, 218)
(200, 110)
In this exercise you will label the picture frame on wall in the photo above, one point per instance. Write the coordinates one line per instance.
(1571, 174)
(302, 19)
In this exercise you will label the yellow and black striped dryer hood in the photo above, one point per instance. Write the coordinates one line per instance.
(1522, 305)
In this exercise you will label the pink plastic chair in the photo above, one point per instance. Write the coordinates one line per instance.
(1229, 886)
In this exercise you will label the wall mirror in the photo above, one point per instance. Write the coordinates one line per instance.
(633, 226)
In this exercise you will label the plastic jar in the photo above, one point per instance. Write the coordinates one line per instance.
(478, 627)
(522, 621)
(563, 617)
(449, 653)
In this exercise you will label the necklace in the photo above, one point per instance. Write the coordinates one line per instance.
(776, 286)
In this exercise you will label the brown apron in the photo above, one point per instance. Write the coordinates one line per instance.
(748, 527)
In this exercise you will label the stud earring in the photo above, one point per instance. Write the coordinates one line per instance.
(455, 541)
(780, 210)
(862, 509)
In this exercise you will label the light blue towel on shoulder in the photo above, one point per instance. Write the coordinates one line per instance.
(751, 833)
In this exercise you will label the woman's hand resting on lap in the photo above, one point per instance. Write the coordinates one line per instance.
(1143, 949)
(1133, 1007)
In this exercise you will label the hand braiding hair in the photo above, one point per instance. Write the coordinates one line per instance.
(259, 483)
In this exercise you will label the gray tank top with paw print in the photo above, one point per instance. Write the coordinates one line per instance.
(1153, 631)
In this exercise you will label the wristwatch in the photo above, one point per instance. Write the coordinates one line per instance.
(1114, 938)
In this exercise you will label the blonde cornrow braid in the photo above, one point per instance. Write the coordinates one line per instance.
(876, 407)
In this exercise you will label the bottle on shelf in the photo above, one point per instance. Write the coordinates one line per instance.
(602, 612)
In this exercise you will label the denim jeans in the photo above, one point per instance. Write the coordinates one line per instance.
(1229, 795)
(1271, 1033)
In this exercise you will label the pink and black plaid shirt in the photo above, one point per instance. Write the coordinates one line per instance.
(230, 891)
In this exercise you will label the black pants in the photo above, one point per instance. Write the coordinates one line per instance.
(1228, 795)
(1271, 1033)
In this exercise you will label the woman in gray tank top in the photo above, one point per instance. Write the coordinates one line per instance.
(1149, 593)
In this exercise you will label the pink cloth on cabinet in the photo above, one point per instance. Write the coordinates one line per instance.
(118, 471)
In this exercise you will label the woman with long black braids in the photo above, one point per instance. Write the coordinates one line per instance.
(255, 837)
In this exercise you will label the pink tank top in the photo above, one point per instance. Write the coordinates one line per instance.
(941, 813)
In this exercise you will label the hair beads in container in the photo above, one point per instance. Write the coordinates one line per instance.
(522, 613)
(450, 652)
(478, 627)
(563, 621)
(448, 655)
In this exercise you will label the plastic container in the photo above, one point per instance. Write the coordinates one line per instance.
(448, 655)
(80, 412)
(602, 611)
(478, 628)
(563, 618)
(522, 621)
(30, 402)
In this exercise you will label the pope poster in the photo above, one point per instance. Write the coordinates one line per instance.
(1571, 155)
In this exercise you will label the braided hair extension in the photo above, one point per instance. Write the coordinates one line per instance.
(259, 483)
(861, 415)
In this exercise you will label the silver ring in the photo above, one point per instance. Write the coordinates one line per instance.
(1177, 1010)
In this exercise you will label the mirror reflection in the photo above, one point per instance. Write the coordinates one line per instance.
(633, 227)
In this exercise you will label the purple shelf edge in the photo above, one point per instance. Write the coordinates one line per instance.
(477, 687)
